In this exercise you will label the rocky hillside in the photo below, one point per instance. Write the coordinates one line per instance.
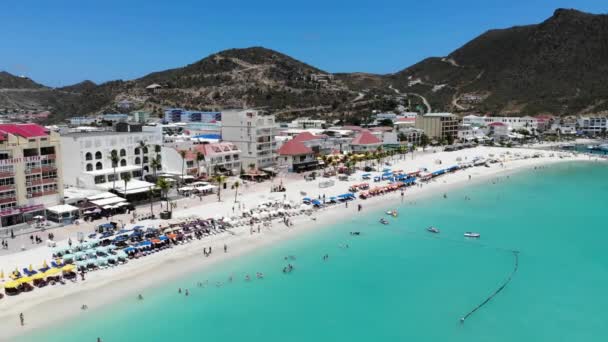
(558, 66)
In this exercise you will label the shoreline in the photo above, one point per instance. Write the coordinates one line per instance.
(135, 276)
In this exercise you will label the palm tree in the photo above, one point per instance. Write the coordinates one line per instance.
(183, 154)
(236, 189)
(142, 144)
(164, 187)
(252, 166)
(114, 159)
(199, 157)
(126, 178)
(155, 164)
(220, 179)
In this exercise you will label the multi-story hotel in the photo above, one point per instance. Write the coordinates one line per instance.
(30, 178)
(252, 133)
(88, 155)
(439, 125)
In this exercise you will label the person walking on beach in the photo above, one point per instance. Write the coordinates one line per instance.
(22, 319)
(225, 248)
(359, 207)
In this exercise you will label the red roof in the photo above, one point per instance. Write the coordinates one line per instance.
(307, 136)
(365, 138)
(294, 148)
(406, 119)
(211, 149)
(25, 130)
(496, 124)
(381, 129)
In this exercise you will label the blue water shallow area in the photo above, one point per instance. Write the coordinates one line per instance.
(399, 282)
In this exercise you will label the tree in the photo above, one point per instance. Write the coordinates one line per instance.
(424, 141)
(199, 157)
(386, 123)
(114, 159)
(164, 187)
(155, 164)
(251, 166)
(142, 145)
(236, 189)
(220, 179)
(450, 139)
(126, 178)
(183, 154)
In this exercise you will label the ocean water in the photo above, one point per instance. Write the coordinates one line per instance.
(398, 282)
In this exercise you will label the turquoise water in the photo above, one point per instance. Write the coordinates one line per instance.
(398, 282)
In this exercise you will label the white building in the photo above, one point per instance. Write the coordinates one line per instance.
(592, 125)
(252, 133)
(224, 157)
(86, 155)
(305, 123)
(82, 121)
(468, 132)
(516, 123)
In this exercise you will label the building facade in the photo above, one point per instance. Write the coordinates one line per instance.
(439, 125)
(30, 172)
(592, 125)
(296, 157)
(221, 157)
(140, 116)
(252, 133)
(88, 154)
(182, 115)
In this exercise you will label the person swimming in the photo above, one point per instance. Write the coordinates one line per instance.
(247, 278)
(140, 297)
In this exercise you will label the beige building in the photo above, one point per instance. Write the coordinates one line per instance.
(252, 133)
(30, 174)
(439, 125)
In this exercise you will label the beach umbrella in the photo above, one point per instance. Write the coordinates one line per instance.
(24, 280)
(51, 272)
(68, 268)
(79, 255)
(68, 257)
(44, 264)
(11, 284)
(102, 261)
(38, 276)
(83, 263)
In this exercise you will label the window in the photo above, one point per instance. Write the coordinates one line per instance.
(123, 152)
(137, 161)
(88, 156)
(89, 167)
(136, 150)
(111, 178)
(145, 159)
(53, 174)
(100, 179)
(137, 173)
(97, 155)
(124, 174)
(7, 181)
(145, 149)
(98, 166)
(123, 162)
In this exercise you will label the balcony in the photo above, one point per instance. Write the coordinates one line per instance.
(7, 187)
(8, 200)
(7, 174)
(42, 193)
(42, 181)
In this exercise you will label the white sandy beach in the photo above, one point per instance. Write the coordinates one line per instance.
(41, 306)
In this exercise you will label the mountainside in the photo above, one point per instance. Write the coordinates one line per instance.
(558, 66)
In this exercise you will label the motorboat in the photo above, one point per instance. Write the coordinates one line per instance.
(383, 221)
(432, 230)
(472, 235)
(392, 213)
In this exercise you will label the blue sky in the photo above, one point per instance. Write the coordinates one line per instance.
(62, 42)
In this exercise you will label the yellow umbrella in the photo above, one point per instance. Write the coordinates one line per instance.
(51, 272)
(31, 268)
(68, 268)
(24, 280)
(1, 274)
(38, 276)
(11, 284)
(44, 264)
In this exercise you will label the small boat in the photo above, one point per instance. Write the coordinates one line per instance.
(383, 221)
(432, 230)
(472, 235)
(392, 213)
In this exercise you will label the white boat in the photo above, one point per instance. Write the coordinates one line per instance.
(432, 230)
(383, 221)
(472, 235)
